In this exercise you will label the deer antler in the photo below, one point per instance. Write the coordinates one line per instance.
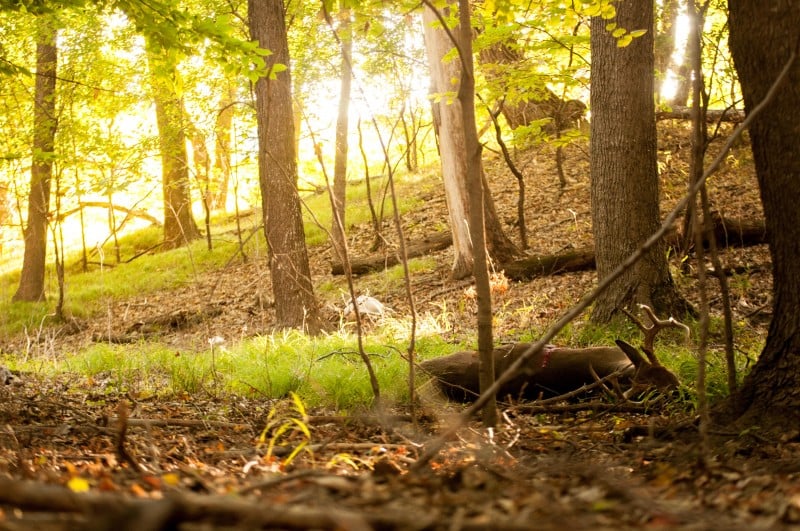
(651, 331)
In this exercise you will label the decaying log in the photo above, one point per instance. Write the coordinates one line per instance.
(730, 232)
(712, 115)
(537, 266)
(379, 262)
(113, 511)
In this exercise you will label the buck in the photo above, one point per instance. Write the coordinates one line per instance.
(556, 370)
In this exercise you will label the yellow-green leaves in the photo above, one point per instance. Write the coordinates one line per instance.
(623, 36)
(602, 8)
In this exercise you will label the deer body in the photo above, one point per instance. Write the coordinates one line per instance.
(551, 372)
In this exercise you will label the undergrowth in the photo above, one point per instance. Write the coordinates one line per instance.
(325, 371)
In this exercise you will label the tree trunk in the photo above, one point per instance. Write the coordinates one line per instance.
(179, 224)
(475, 180)
(45, 124)
(665, 67)
(342, 123)
(450, 132)
(222, 151)
(763, 35)
(624, 185)
(295, 304)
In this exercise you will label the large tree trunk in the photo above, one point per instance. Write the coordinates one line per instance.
(452, 150)
(624, 187)
(295, 304)
(342, 127)
(763, 36)
(31, 282)
(179, 224)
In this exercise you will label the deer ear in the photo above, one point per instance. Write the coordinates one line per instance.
(633, 354)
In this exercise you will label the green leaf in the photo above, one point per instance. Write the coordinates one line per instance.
(591, 11)
(276, 69)
(638, 33)
(624, 41)
(608, 11)
(611, 26)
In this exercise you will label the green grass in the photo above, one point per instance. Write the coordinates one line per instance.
(317, 209)
(88, 293)
(323, 371)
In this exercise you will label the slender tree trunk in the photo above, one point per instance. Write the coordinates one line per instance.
(666, 31)
(222, 151)
(624, 186)
(45, 124)
(202, 169)
(466, 96)
(295, 304)
(179, 224)
(342, 126)
(763, 35)
(452, 149)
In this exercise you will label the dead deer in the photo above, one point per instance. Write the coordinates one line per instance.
(554, 371)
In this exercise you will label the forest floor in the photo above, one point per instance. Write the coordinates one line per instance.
(196, 460)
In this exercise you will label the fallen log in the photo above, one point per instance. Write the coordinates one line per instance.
(712, 115)
(554, 264)
(729, 232)
(379, 262)
(101, 510)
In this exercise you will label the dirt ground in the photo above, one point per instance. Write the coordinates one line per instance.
(199, 462)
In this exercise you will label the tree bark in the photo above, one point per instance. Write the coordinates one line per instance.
(179, 224)
(295, 303)
(381, 261)
(445, 76)
(763, 36)
(45, 124)
(624, 186)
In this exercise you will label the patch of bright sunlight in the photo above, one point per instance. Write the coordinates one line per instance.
(671, 82)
